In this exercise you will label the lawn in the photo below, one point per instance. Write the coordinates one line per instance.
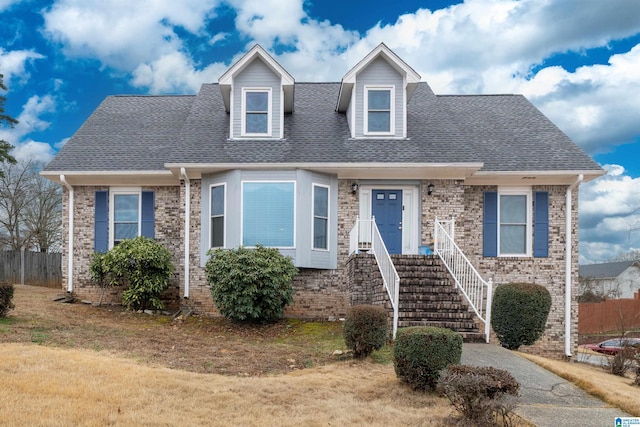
(73, 364)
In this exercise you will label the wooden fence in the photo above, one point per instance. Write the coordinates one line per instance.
(611, 315)
(40, 269)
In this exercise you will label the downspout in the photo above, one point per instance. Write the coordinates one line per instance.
(187, 226)
(70, 238)
(567, 268)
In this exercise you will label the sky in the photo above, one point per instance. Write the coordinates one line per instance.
(578, 61)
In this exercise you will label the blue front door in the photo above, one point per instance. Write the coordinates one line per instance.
(387, 210)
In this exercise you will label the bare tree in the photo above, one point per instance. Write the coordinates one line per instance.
(42, 216)
(30, 209)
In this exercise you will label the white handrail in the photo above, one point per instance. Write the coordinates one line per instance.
(475, 289)
(365, 237)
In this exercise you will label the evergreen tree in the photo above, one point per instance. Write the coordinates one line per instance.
(9, 121)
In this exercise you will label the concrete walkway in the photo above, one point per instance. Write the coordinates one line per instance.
(546, 399)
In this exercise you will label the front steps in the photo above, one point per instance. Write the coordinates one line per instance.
(428, 297)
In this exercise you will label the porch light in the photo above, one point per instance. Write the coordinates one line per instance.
(430, 188)
(354, 188)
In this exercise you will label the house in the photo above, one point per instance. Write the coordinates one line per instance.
(611, 279)
(260, 158)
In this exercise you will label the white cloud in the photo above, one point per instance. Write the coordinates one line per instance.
(123, 33)
(587, 102)
(6, 4)
(12, 65)
(174, 72)
(40, 152)
(30, 120)
(609, 215)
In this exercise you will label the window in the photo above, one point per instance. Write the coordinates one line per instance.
(320, 217)
(379, 118)
(513, 227)
(122, 213)
(268, 216)
(126, 217)
(217, 216)
(257, 112)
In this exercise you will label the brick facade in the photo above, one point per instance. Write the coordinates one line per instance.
(327, 294)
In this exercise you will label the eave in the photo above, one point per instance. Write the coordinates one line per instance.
(109, 178)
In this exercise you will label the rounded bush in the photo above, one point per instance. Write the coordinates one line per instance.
(365, 329)
(6, 298)
(141, 264)
(519, 313)
(420, 353)
(482, 395)
(250, 284)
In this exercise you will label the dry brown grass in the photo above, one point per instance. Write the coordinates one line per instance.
(613, 389)
(53, 386)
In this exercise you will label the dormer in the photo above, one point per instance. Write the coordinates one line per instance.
(257, 93)
(374, 95)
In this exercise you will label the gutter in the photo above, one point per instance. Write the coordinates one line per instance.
(187, 227)
(70, 238)
(567, 268)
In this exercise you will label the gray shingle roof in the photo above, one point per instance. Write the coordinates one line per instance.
(605, 270)
(506, 132)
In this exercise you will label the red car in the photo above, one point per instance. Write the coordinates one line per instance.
(614, 346)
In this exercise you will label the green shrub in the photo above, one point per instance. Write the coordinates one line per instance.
(141, 264)
(250, 284)
(420, 353)
(519, 313)
(484, 396)
(6, 298)
(365, 329)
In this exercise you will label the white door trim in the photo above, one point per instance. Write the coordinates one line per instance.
(410, 212)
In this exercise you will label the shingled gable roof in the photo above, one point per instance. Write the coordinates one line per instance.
(381, 51)
(607, 270)
(257, 53)
(477, 137)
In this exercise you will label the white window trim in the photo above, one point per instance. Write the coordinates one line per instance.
(518, 191)
(224, 215)
(392, 112)
(295, 210)
(313, 216)
(243, 129)
(113, 191)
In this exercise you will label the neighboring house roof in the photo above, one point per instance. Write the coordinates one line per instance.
(146, 133)
(607, 270)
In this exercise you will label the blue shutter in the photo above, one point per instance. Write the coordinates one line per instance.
(148, 224)
(101, 222)
(490, 224)
(541, 224)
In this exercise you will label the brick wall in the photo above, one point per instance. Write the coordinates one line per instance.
(549, 272)
(167, 232)
(324, 293)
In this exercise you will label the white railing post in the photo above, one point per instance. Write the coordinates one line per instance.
(475, 289)
(390, 278)
(487, 323)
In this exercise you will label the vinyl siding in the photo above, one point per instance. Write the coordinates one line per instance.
(302, 254)
(257, 75)
(380, 73)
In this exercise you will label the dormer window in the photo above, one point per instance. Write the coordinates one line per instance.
(379, 114)
(256, 111)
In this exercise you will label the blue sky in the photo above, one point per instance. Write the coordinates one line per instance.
(579, 62)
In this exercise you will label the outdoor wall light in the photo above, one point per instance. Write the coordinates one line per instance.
(430, 188)
(354, 188)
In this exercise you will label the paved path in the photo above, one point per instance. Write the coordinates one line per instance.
(547, 399)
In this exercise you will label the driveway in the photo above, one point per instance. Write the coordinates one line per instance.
(546, 399)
